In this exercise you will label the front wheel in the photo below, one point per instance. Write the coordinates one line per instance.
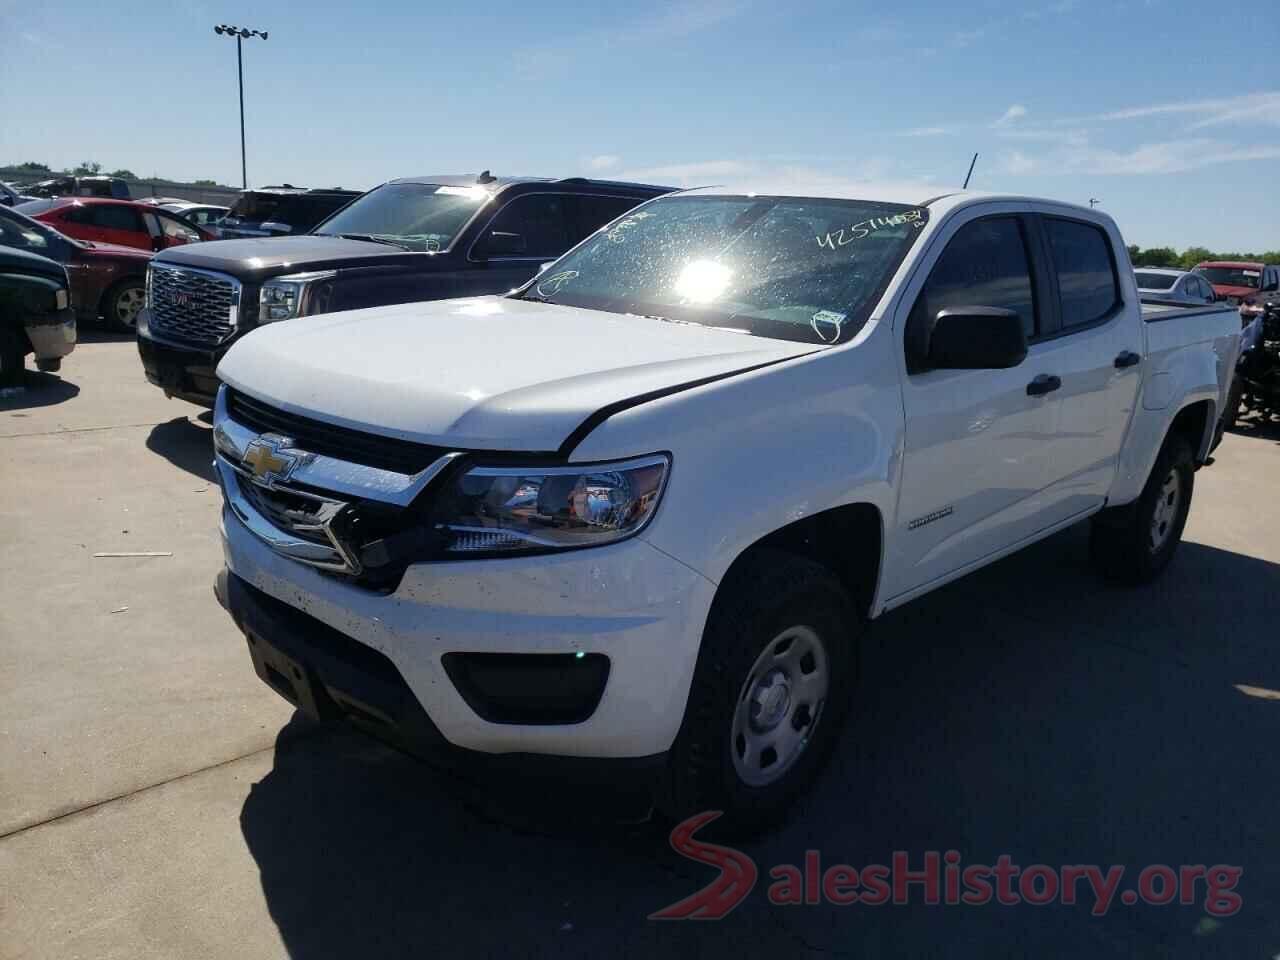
(770, 692)
(1134, 543)
(123, 303)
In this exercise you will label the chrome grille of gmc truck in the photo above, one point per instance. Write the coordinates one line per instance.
(194, 305)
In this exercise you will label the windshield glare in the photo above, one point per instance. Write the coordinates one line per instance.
(789, 268)
(1155, 281)
(423, 217)
(1231, 276)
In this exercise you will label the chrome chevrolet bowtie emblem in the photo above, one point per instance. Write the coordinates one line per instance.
(270, 459)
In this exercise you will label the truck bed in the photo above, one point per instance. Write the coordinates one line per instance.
(1155, 310)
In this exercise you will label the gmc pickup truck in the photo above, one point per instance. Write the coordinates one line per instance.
(635, 517)
(417, 238)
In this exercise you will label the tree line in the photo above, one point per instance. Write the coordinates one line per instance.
(1188, 258)
(41, 171)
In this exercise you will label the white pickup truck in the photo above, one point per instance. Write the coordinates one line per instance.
(634, 517)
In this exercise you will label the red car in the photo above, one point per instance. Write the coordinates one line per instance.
(122, 222)
(1241, 282)
(107, 281)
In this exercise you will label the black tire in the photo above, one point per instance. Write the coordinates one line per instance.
(13, 353)
(121, 303)
(767, 594)
(1123, 541)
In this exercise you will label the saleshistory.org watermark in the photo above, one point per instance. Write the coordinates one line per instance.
(941, 878)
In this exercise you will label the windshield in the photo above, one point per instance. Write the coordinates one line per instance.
(789, 268)
(417, 216)
(1155, 281)
(33, 207)
(24, 233)
(1230, 276)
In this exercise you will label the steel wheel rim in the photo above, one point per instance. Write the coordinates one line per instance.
(128, 303)
(779, 706)
(1166, 512)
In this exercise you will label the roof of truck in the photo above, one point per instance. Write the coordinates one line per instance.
(938, 198)
(497, 183)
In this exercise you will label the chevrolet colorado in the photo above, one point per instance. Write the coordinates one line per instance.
(634, 517)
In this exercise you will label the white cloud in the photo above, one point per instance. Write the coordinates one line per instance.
(1171, 156)
(603, 161)
(1247, 108)
(1015, 112)
(925, 132)
(1018, 162)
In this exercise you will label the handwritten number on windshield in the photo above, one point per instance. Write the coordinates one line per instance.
(864, 228)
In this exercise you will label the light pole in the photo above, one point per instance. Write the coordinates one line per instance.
(240, 33)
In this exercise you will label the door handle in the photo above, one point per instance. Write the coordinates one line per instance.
(1045, 383)
(1127, 359)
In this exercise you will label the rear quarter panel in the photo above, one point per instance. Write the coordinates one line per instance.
(1189, 358)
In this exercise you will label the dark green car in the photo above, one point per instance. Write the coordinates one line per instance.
(35, 314)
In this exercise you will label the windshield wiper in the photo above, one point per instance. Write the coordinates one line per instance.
(372, 238)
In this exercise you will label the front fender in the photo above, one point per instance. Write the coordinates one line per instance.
(756, 452)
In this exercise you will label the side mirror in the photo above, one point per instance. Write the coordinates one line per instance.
(976, 338)
(500, 243)
(157, 243)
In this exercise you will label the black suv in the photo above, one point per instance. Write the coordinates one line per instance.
(419, 238)
(281, 211)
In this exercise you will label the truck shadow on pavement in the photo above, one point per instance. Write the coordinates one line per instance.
(1025, 710)
(185, 444)
(38, 390)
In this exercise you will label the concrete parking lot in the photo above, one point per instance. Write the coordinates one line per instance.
(156, 800)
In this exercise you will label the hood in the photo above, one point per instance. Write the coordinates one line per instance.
(264, 256)
(486, 373)
(11, 258)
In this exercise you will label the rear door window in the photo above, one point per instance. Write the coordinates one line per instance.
(541, 219)
(110, 217)
(1087, 282)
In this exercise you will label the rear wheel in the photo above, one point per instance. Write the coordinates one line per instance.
(122, 304)
(770, 692)
(1134, 543)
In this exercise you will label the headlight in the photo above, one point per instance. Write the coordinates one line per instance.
(149, 302)
(295, 295)
(508, 510)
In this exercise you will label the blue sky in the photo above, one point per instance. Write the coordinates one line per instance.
(1167, 112)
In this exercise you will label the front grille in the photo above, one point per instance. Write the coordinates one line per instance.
(386, 453)
(193, 305)
(286, 511)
